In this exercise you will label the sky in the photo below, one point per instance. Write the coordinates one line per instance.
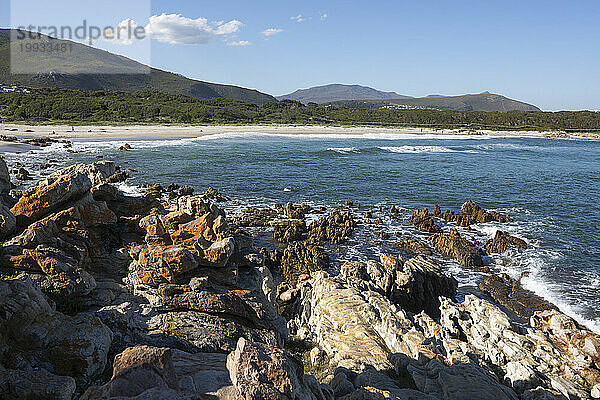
(542, 52)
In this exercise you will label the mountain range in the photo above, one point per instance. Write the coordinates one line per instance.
(86, 69)
(365, 97)
(89, 68)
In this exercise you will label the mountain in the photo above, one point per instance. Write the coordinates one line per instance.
(469, 102)
(88, 68)
(337, 92)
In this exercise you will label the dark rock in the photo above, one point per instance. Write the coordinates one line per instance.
(255, 217)
(423, 221)
(455, 246)
(471, 213)
(334, 228)
(288, 230)
(301, 259)
(412, 246)
(510, 294)
(186, 191)
(502, 241)
(213, 194)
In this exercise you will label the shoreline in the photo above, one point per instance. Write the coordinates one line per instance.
(191, 131)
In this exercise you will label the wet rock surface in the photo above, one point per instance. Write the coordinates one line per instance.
(453, 245)
(168, 295)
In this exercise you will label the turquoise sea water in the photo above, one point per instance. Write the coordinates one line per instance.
(550, 187)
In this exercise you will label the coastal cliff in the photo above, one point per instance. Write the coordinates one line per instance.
(167, 295)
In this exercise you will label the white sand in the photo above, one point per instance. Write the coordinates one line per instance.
(126, 131)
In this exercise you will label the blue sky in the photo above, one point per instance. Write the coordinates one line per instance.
(543, 52)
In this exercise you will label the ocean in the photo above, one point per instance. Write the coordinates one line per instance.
(551, 189)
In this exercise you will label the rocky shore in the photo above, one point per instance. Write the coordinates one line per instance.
(167, 295)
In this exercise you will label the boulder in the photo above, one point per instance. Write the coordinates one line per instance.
(213, 195)
(38, 336)
(454, 246)
(258, 371)
(35, 384)
(155, 230)
(140, 372)
(255, 217)
(294, 211)
(502, 241)
(156, 264)
(424, 221)
(412, 246)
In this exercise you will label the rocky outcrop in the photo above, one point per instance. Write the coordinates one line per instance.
(424, 221)
(334, 228)
(509, 293)
(58, 189)
(288, 230)
(470, 214)
(255, 217)
(556, 354)
(454, 246)
(502, 241)
(302, 259)
(33, 336)
(5, 184)
(412, 246)
(294, 211)
(261, 372)
(35, 384)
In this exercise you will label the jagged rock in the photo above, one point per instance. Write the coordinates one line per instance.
(38, 337)
(356, 328)
(301, 259)
(155, 230)
(261, 372)
(412, 246)
(510, 294)
(453, 245)
(158, 264)
(294, 211)
(155, 191)
(561, 355)
(185, 191)
(424, 222)
(288, 230)
(471, 213)
(213, 194)
(502, 241)
(8, 222)
(49, 195)
(419, 285)
(255, 217)
(198, 206)
(37, 384)
(334, 228)
(460, 381)
(5, 184)
(68, 184)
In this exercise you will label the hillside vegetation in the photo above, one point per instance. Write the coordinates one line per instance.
(60, 105)
(86, 67)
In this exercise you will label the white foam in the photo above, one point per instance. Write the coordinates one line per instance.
(344, 150)
(423, 149)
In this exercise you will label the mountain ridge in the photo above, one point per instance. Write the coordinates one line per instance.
(97, 61)
(337, 91)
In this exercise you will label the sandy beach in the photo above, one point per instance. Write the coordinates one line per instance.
(126, 131)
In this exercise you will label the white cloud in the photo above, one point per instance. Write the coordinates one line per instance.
(271, 32)
(298, 18)
(324, 16)
(123, 33)
(177, 29)
(239, 43)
